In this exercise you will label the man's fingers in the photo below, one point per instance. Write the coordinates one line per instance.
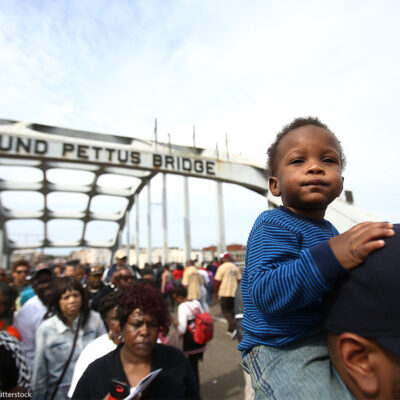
(368, 248)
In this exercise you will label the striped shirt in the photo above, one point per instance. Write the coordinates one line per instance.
(289, 267)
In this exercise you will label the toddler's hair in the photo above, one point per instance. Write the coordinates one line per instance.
(297, 123)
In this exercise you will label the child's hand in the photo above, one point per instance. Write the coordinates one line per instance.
(353, 246)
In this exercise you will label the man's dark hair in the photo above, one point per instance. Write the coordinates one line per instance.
(20, 263)
(146, 271)
(297, 123)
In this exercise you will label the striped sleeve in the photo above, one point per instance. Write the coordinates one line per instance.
(281, 277)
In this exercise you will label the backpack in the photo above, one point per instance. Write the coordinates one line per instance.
(169, 287)
(204, 326)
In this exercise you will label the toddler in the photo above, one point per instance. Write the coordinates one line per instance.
(293, 258)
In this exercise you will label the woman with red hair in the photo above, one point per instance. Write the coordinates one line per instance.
(142, 313)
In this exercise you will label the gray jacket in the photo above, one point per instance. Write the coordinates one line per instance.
(54, 341)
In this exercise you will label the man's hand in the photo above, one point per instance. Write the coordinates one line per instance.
(352, 247)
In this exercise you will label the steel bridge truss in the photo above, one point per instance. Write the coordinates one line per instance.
(29, 149)
(40, 150)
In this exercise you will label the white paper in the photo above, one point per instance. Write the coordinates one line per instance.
(142, 385)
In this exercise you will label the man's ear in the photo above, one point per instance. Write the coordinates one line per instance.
(357, 356)
(274, 186)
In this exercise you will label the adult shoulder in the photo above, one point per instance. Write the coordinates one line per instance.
(101, 362)
(48, 323)
(33, 305)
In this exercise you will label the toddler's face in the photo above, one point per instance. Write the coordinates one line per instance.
(308, 173)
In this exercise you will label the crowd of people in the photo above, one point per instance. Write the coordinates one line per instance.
(57, 320)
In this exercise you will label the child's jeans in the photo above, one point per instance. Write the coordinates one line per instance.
(300, 370)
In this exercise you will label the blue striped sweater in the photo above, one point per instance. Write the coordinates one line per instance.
(289, 267)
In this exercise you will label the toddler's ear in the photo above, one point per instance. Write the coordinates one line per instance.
(341, 190)
(274, 186)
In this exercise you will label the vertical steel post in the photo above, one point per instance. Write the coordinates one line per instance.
(128, 234)
(164, 218)
(186, 221)
(119, 240)
(220, 219)
(137, 244)
(149, 250)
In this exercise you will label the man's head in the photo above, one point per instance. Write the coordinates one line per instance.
(305, 167)
(147, 274)
(20, 272)
(42, 284)
(122, 278)
(79, 272)
(361, 317)
(225, 257)
(94, 277)
(121, 258)
(58, 270)
(69, 270)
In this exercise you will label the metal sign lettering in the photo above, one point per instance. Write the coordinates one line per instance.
(25, 146)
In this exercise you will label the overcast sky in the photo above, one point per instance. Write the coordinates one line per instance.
(223, 66)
